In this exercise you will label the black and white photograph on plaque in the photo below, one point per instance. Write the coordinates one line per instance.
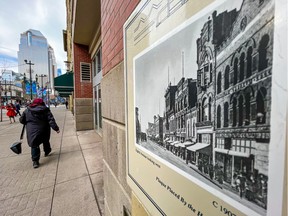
(203, 99)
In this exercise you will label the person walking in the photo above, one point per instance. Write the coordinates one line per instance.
(66, 104)
(38, 120)
(11, 112)
(18, 107)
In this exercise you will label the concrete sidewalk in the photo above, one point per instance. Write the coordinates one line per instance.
(68, 182)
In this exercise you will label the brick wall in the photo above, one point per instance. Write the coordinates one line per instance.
(114, 13)
(82, 89)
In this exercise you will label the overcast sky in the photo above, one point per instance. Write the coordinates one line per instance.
(17, 16)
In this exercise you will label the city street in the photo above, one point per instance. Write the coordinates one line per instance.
(178, 162)
(68, 182)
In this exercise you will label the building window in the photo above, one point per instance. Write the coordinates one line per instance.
(219, 83)
(100, 106)
(227, 143)
(226, 77)
(185, 101)
(188, 128)
(97, 62)
(234, 106)
(211, 72)
(263, 61)
(96, 106)
(247, 109)
(242, 67)
(204, 110)
(226, 113)
(199, 113)
(206, 74)
(85, 71)
(209, 108)
(235, 68)
(249, 62)
(219, 116)
(260, 106)
(240, 106)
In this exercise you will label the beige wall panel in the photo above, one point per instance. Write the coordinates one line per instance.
(122, 171)
(113, 94)
(84, 114)
(83, 101)
(137, 207)
(83, 110)
(107, 210)
(110, 148)
(84, 126)
(115, 196)
(114, 151)
(84, 118)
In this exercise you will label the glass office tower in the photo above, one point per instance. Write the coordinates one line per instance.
(34, 47)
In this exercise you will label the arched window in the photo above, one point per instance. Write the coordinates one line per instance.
(211, 72)
(240, 108)
(204, 110)
(242, 67)
(234, 106)
(219, 83)
(249, 62)
(260, 106)
(209, 109)
(226, 113)
(226, 77)
(235, 68)
(263, 61)
(219, 116)
(247, 109)
(199, 118)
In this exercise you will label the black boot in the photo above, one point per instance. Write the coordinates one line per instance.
(35, 164)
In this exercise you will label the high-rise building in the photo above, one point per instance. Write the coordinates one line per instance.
(34, 47)
(59, 72)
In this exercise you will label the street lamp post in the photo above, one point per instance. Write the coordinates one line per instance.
(41, 76)
(10, 88)
(48, 96)
(6, 98)
(30, 72)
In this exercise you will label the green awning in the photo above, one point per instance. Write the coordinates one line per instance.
(64, 84)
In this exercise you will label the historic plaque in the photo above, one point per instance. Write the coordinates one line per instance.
(204, 133)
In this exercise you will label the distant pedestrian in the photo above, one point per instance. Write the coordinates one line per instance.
(242, 185)
(11, 113)
(66, 104)
(18, 107)
(211, 171)
(38, 120)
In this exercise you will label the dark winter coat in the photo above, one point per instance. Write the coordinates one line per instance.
(38, 121)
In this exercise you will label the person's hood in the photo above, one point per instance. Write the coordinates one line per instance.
(40, 108)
